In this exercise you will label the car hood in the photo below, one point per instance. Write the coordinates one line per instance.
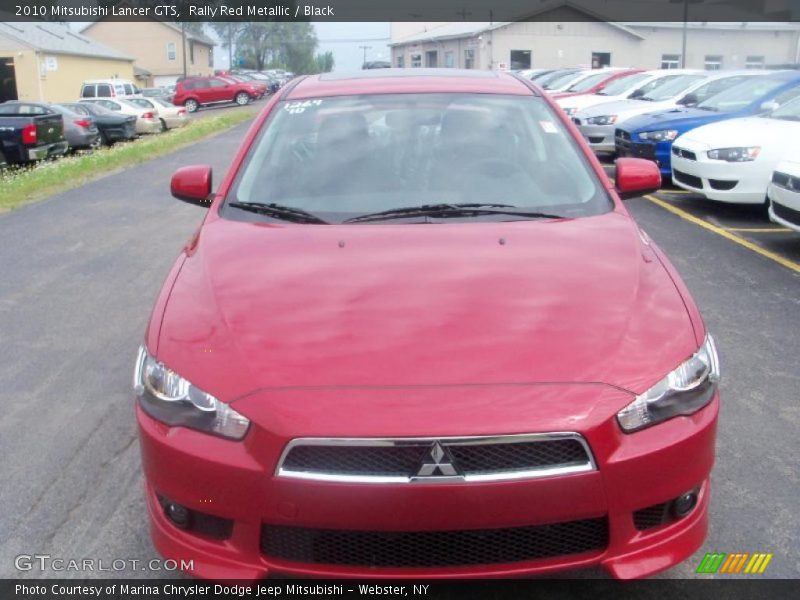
(682, 119)
(582, 101)
(749, 131)
(268, 305)
(624, 108)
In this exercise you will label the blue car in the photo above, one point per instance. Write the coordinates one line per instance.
(651, 135)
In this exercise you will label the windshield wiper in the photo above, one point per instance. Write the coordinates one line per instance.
(450, 210)
(707, 108)
(279, 211)
(646, 98)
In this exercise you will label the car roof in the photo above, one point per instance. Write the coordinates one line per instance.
(404, 81)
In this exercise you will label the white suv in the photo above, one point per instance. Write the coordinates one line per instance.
(109, 88)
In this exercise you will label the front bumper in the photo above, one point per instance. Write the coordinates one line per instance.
(784, 207)
(236, 481)
(599, 137)
(657, 152)
(733, 182)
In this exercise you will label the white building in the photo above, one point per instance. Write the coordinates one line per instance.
(569, 42)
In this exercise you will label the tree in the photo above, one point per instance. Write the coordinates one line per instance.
(228, 33)
(324, 62)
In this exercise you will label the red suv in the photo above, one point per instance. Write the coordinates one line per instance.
(195, 92)
(419, 335)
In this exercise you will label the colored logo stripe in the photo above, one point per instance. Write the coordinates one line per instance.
(738, 562)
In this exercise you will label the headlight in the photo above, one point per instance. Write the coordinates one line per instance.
(169, 398)
(659, 136)
(744, 154)
(684, 391)
(602, 120)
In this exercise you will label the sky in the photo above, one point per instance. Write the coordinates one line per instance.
(343, 39)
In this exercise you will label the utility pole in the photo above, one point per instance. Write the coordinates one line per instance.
(230, 46)
(685, 28)
(365, 48)
(183, 46)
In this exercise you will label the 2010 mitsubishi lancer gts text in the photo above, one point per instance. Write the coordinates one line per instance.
(418, 335)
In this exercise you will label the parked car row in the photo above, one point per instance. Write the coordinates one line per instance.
(729, 136)
(31, 131)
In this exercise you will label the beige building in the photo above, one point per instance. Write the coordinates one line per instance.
(557, 43)
(158, 47)
(45, 61)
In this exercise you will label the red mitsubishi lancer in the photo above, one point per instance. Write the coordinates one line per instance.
(419, 335)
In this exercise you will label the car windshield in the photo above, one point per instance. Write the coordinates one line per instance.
(623, 84)
(788, 112)
(741, 95)
(562, 81)
(551, 77)
(341, 157)
(670, 89)
(588, 82)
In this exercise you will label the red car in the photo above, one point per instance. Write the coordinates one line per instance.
(194, 92)
(595, 83)
(419, 335)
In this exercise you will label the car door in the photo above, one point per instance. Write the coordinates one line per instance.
(219, 90)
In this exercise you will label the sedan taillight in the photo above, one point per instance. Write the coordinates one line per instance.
(181, 112)
(82, 123)
(147, 115)
(29, 134)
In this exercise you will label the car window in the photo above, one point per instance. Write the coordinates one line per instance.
(201, 84)
(78, 108)
(129, 89)
(350, 155)
(88, 91)
(22, 109)
(588, 82)
(110, 105)
(103, 90)
(652, 85)
(670, 89)
(715, 87)
(788, 112)
(119, 89)
(623, 84)
(741, 95)
(560, 81)
(787, 95)
(141, 102)
(216, 83)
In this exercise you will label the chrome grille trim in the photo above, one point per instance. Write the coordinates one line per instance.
(505, 475)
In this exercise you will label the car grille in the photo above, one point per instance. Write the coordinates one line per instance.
(593, 139)
(687, 154)
(400, 460)
(687, 179)
(433, 548)
(786, 213)
(652, 516)
(785, 181)
(722, 184)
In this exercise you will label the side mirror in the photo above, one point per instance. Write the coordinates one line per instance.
(636, 177)
(688, 100)
(769, 106)
(193, 185)
(636, 94)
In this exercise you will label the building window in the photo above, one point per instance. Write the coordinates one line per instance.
(170, 50)
(469, 59)
(401, 61)
(449, 60)
(520, 59)
(416, 61)
(754, 62)
(670, 61)
(713, 62)
(431, 59)
(601, 59)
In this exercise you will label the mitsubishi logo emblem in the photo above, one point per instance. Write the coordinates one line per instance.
(437, 464)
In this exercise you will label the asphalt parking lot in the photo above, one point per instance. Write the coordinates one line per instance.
(81, 270)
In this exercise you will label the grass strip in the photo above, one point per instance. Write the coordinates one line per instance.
(19, 186)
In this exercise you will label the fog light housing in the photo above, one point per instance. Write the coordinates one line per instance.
(178, 514)
(683, 504)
